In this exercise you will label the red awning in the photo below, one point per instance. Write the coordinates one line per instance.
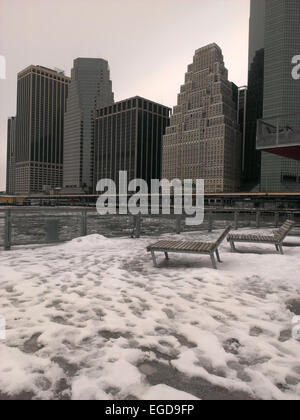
(292, 152)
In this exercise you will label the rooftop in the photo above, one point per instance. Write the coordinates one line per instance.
(56, 72)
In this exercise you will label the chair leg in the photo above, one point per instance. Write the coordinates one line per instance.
(233, 248)
(277, 248)
(218, 256)
(154, 259)
(213, 260)
(281, 249)
(167, 256)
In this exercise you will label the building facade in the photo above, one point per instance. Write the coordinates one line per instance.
(203, 140)
(90, 88)
(255, 98)
(11, 156)
(281, 95)
(41, 104)
(241, 115)
(128, 137)
(255, 95)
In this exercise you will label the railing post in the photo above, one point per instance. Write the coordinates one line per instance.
(257, 219)
(236, 220)
(276, 219)
(7, 231)
(137, 225)
(178, 224)
(52, 235)
(210, 221)
(84, 223)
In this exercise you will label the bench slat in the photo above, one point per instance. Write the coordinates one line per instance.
(252, 238)
(181, 246)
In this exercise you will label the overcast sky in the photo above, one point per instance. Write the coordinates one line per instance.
(148, 43)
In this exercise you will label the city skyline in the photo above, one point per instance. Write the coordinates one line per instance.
(147, 70)
(150, 224)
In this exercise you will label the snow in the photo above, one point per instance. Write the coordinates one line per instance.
(166, 393)
(93, 319)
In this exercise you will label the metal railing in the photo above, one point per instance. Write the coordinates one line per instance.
(48, 226)
(41, 226)
(279, 131)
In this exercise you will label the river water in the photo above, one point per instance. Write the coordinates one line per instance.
(29, 226)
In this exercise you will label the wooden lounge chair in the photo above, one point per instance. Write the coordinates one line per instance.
(276, 239)
(188, 247)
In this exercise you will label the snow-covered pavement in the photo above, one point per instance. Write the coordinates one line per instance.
(93, 319)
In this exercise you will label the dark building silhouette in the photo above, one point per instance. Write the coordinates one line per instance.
(41, 104)
(11, 156)
(128, 137)
(255, 101)
(255, 95)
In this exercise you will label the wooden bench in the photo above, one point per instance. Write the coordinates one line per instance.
(188, 247)
(276, 239)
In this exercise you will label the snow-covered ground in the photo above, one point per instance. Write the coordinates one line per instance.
(93, 319)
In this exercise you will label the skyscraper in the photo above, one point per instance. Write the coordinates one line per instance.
(128, 137)
(203, 140)
(90, 88)
(273, 97)
(252, 157)
(11, 156)
(281, 91)
(41, 102)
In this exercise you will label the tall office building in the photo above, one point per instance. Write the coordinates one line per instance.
(41, 103)
(128, 137)
(11, 156)
(273, 97)
(281, 95)
(90, 88)
(251, 156)
(203, 140)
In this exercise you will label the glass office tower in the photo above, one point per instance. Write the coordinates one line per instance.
(128, 137)
(281, 91)
(274, 96)
(252, 157)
